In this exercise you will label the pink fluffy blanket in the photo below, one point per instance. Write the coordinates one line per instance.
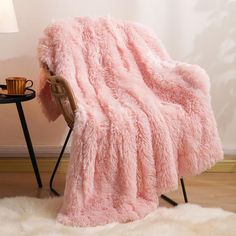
(143, 119)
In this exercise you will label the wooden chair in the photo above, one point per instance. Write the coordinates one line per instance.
(64, 96)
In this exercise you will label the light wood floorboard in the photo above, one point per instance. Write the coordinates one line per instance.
(208, 189)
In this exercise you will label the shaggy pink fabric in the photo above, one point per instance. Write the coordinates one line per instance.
(143, 119)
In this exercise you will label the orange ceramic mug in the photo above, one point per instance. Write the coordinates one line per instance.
(17, 85)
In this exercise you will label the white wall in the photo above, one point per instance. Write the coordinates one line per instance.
(196, 31)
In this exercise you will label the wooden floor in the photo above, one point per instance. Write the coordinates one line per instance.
(208, 189)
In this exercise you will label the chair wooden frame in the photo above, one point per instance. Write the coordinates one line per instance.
(62, 92)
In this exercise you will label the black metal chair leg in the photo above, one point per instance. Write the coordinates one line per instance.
(172, 202)
(169, 200)
(184, 190)
(58, 162)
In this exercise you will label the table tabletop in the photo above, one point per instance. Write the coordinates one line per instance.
(30, 94)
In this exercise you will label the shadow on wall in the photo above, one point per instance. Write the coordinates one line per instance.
(18, 66)
(215, 49)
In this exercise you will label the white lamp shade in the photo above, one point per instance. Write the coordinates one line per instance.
(8, 21)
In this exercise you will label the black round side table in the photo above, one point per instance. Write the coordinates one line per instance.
(30, 94)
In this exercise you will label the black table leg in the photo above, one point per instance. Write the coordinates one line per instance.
(29, 143)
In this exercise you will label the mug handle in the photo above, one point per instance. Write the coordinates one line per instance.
(30, 84)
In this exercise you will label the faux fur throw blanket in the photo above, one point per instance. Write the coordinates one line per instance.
(143, 119)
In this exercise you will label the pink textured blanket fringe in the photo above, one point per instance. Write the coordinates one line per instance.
(143, 119)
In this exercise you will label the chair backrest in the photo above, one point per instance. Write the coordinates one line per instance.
(63, 94)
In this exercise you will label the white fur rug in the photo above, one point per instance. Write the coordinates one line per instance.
(31, 216)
